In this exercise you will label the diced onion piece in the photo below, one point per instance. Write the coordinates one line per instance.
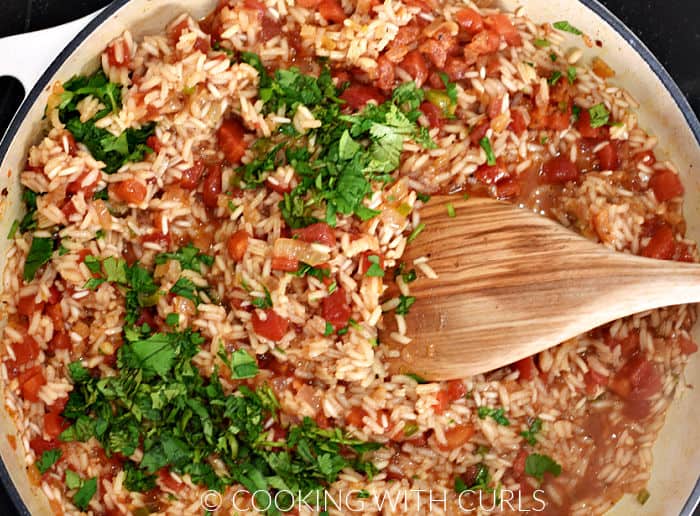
(312, 254)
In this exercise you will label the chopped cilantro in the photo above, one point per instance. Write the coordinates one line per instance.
(189, 257)
(554, 78)
(186, 288)
(575, 113)
(423, 197)
(306, 269)
(481, 482)
(351, 150)
(496, 414)
(374, 270)
(28, 222)
(48, 459)
(419, 379)
(567, 27)
(39, 253)
(451, 210)
(486, 145)
(263, 302)
(571, 74)
(450, 87)
(537, 465)
(172, 319)
(241, 364)
(332, 287)
(405, 303)
(534, 428)
(328, 330)
(363, 494)
(599, 115)
(112, 150)
(87, 490)
(553, 57)
(100, 233)
(101, 194)
(541, 43)
(417, 231)
(73, 480)
(13, 229)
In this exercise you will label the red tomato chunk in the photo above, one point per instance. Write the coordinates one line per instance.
(357, 95)
(637, 380)
(231, 139)
(237, 245)
(559, 170)
(336, 310)
(319, 232)
(666, 185)
(662, 245)
(273, 327)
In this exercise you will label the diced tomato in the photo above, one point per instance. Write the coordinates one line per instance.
(82, 254)
(40, 445)
(28, 306)
(491, 174)
(637, 380)
(175, 31)
(77, 186)
(559, 119)
(280, 263)
(365, 264)
(442, 402)
(167, 481)
(484, 42)
(190, 177)
(54, 424)
(154, 143)
(237, 245)
(628, 345)
(414, 64)
(647, 158)
(456, 389)
(355, 417)
(583, 126)
(470, 20)
(211, 187)
(319, 232)
(527, 368)
(130, 191)
(456, 436)
(517, 121)
(157, 237)
(456, 69)
(26, 351)
(592, 380)
(688, 347)
(307, 4)
(666, 185)
(386, 75)
(231, 139)
(322, 421)
(502, 25)
(662, 245)
(507, 189)
(118, 53)
(559, 170)
(432, 113)
(478, 132)
(336, 310)
(357, 95)
(331, 11)
(608, 157)
(31, 383)
(54, 295)
(60, 340)
(274, 327)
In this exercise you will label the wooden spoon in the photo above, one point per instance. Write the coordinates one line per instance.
(513, 283)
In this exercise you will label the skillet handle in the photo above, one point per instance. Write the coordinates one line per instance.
(26, 56)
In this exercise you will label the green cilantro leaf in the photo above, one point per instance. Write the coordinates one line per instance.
(374, 270)
(39, 253)
(189, 257)
(405, 303)
(534, 428)
(599, 115)
(567, 27)
(496, 414)
(486, 145)
(85, 493)
(537, 465)
(241, 364)
(48, 459)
